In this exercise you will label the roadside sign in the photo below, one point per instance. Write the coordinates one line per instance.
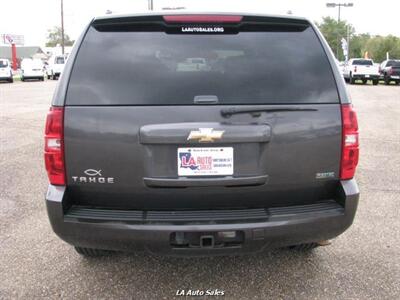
(345, 48)
(8, 39)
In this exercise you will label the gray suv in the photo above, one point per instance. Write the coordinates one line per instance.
(200, 134)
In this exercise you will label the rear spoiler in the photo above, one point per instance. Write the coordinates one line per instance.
(173, 23)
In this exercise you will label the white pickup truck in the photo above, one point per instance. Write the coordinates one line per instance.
(361, 69)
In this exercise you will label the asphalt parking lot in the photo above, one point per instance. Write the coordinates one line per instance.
(363, 263)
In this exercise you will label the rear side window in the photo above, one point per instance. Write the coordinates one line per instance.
(362, 62)
(156, 68)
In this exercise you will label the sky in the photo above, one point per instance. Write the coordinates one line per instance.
(32, 18)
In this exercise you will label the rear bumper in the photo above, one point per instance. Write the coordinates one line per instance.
(280, 227)
(366, 77)
(33, 76)
(394, 77)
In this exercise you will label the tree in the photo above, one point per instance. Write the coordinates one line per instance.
(378, 46)
(357, 45)
(54, 38)
(334, 31)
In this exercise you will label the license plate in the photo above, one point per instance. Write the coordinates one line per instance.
(366, 76)
(201, 161)
(396, 77)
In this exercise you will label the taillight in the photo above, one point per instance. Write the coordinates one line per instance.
(54, 146)
(355, 69)
(350, 143)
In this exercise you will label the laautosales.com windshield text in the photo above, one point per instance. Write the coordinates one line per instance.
(215, 292)
(202, 29)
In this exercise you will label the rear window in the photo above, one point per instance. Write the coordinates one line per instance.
(362, 62)
(59, 60)
(156, 68)
(393, 63)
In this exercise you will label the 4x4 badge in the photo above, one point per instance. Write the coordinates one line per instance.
(205, 135)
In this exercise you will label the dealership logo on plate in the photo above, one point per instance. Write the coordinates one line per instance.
(198, 163)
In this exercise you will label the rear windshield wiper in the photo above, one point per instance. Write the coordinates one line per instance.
(256, 112)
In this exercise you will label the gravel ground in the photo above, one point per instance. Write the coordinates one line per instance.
(363, 263)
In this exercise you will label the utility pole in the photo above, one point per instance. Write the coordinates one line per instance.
(62, 27)
(338, 5)
(348, 41)
(150, 2)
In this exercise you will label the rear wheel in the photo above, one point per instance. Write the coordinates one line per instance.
(304, 247)
(90, 252)
(351, 79)
(375, 82)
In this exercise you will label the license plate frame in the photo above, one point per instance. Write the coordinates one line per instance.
(205, 161)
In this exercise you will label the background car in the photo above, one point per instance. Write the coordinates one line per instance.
(390, 71)
(5, 70)
(55, 66)
(361, 69)
(32, 69)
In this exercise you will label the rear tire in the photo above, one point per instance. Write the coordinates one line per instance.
(304, 247)
(387, 81)
(351, 79)
(375, 82)
(90, 252)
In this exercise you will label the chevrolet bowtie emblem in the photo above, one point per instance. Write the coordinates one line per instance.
(205, 135)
